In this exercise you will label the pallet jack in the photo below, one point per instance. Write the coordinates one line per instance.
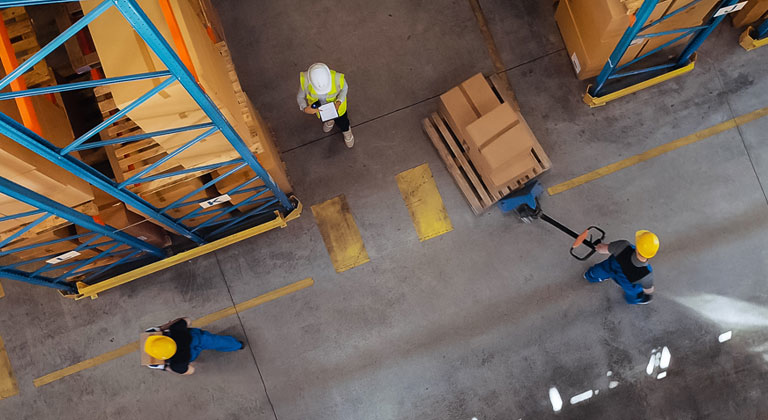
(525, 204)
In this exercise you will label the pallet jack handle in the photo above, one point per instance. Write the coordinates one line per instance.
(590, 237)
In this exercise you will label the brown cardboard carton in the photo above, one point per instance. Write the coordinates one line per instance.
(119, 217)
(168, 196)
(466, 103)
(590, 45)
(600, 20)
(693, 16)
(504, 149)
(236, 179)
(751, 13)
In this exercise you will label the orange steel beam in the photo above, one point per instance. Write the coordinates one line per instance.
(8, 57)
(178, 40)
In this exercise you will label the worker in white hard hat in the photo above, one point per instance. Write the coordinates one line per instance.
(319, 86)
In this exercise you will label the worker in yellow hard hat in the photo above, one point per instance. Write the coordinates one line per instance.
(179, 345)
(628, 266)
(319, 87)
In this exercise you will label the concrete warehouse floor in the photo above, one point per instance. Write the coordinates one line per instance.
(479, 322)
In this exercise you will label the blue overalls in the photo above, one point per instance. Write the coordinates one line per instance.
(611, 269)
(203, 340)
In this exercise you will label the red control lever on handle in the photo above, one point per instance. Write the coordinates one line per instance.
(580, 239)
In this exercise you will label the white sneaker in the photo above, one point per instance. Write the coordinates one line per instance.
(349, 139)
(327, 126)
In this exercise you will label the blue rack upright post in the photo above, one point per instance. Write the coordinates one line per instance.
(608, 87)
(260, 200)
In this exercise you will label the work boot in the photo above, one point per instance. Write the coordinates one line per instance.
(349, 139)
(646, 299)
(327, 126)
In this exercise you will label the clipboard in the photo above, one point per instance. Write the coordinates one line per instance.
(328, 112)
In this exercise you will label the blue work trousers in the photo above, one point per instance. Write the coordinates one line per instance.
(203, 340)
(610, 269)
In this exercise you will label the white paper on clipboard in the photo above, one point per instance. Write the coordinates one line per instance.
(328, 112)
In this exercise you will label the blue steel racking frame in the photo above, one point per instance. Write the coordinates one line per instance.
(264, 194)
(599, 93)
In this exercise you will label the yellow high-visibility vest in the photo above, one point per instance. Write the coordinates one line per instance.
(337, 83)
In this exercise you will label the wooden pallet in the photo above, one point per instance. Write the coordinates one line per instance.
(80, 61)
(24, 42)
(49, 224)
(480, 194)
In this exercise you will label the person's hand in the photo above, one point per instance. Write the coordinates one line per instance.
(602, 249)
(310, 110)
(338, 104)
(190, 370)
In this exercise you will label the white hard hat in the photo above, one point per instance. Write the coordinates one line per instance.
(320, 77)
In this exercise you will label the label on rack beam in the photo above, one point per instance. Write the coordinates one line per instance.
(214, 201)
(63, 257)
(730, 9)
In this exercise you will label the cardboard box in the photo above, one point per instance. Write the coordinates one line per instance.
(31, 170)
(235, 180)
(693, 16)
(591, 33)
(504, 149)
(751, 13)
(119, 217)
(52, 249)
(600, 20)
(167, 196)
(122, 52)
(466, 103)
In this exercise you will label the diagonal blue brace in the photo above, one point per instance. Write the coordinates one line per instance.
(147, 31)
(25, 195)
(29, 139)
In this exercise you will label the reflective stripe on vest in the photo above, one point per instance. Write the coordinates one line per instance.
(631, 271)
(337, 83)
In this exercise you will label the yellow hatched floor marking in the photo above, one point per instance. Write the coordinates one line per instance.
(424, 203)
(340, 234)
(200, 322)
(657, 151)
(8, 385)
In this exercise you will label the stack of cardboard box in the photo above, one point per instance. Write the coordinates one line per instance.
(498, 141)
(123, 53)
(753, 11)
(591, 29)
(32, 171)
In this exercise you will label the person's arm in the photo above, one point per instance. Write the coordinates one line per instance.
(301, 99)
(602, 249)
(647, 283)
(342, 94)
(169, 323)
(190, 370)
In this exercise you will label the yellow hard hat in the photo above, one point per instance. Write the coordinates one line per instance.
(647, 243)
(160, 347)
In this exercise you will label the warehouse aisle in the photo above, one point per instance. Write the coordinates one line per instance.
(480, 322)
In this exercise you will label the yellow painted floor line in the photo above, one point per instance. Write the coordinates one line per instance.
(657, 151)
(340, 234)
(8, 385)
(424, 203)
(200, 322)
